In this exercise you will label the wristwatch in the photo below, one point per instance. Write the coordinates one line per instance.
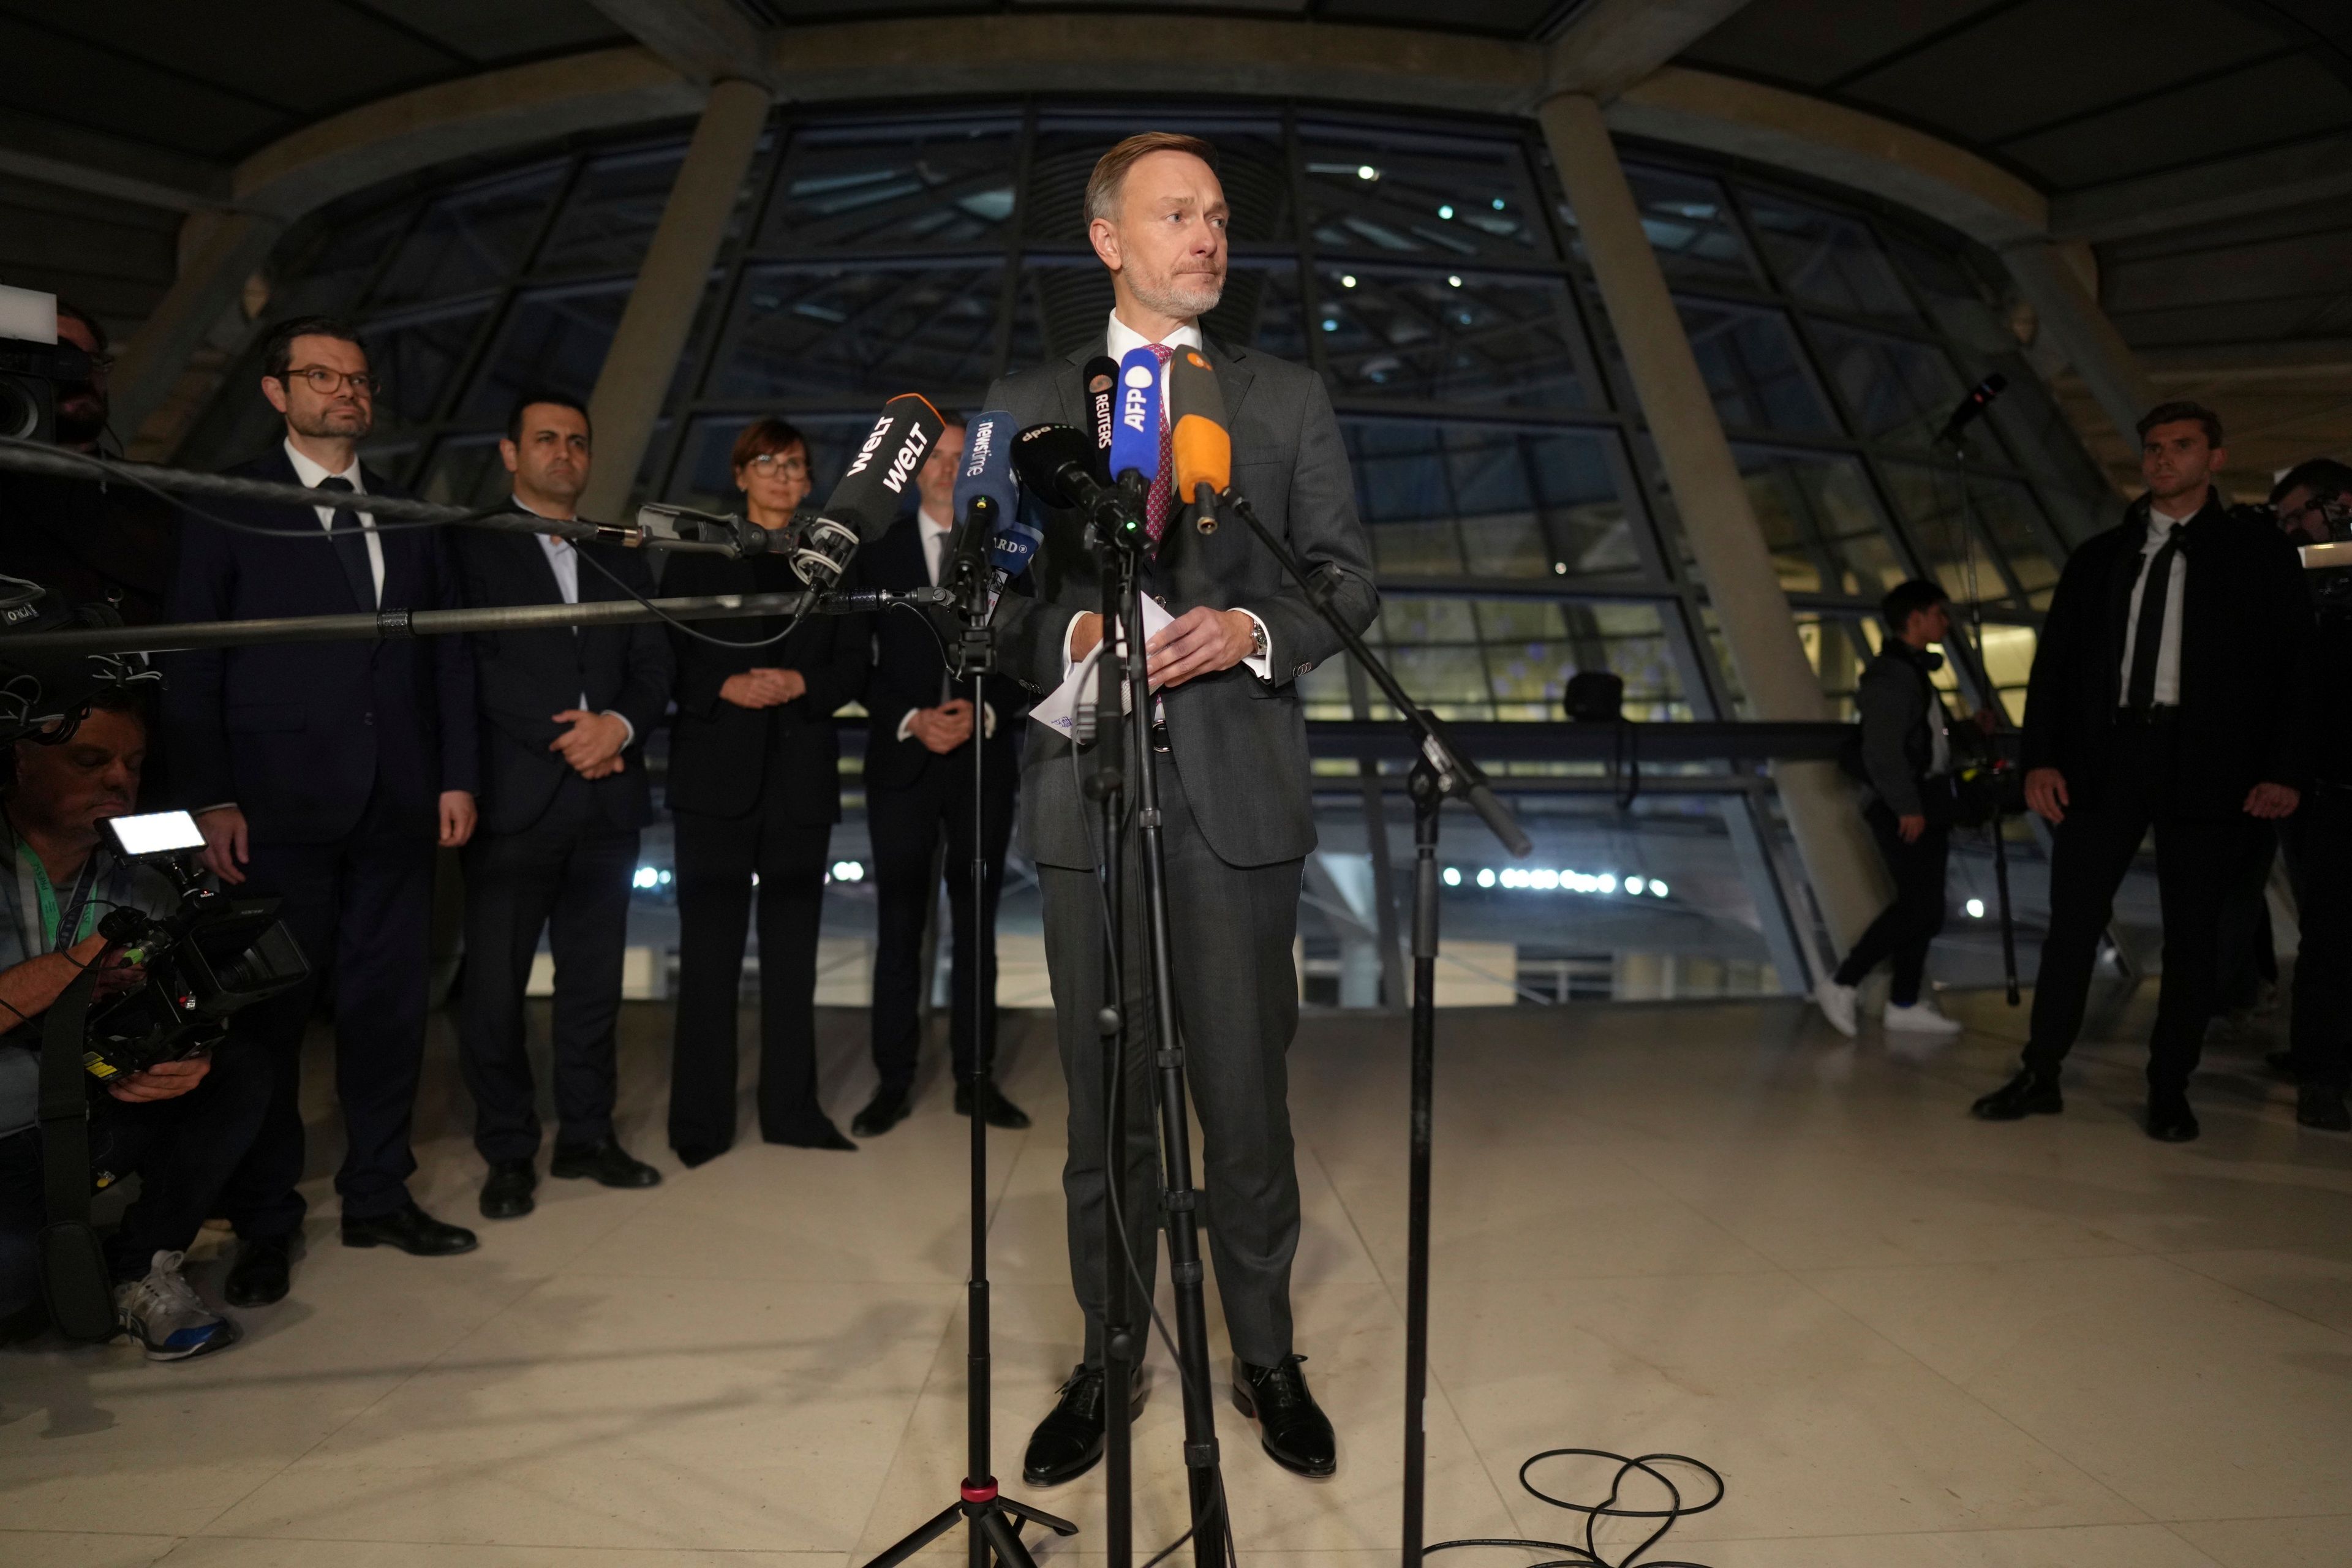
(1258, 646)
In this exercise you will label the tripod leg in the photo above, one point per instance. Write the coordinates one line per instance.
(1008, 1550)
(1037, 1516)
(939, 1524)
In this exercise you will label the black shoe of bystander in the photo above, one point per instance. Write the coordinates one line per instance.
(1001, 1112)
(2030, 1093)
(262, 1272)
(2169, 1120)
(411, 1230)
(506, 1191)
(2321, 1106)
(606, 1163)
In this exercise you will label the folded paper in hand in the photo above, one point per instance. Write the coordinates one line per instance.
(1058, 711)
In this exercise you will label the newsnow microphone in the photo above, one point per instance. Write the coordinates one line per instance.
(1203, 448)
(985, 496)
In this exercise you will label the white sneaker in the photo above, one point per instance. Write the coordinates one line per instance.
(1922, 1017)
(1836, 1003)
(163, 1313)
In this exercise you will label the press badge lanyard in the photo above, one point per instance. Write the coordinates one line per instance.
(36, 902)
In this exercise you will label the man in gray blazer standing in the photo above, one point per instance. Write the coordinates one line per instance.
(1237, 817)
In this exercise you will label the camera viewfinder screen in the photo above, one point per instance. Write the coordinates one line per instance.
(156, 832)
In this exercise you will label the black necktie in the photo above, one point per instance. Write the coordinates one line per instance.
(2147, 641)
(351, 545)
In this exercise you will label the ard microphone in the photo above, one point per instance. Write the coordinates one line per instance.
(870, 496)
(1100, 376)
(1972, 407)
(1203, 448)
(1135, 428)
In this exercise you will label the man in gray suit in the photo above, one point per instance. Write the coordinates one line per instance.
(1237, 817)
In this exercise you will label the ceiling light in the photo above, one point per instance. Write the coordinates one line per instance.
(1346, 280)
(1366, 171)
(1452, 876)
(1976, 908)
(1454, 279)
(1446, 212)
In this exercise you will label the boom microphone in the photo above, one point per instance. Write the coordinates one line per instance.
(1203, 448)
(1100, 376)
(1972, 408)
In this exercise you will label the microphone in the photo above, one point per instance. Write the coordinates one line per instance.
(1201, 445)
(1100, 375)
(869, 497)
(1055, 464)
(985, 496)
(1135, 432)
(1972, 407)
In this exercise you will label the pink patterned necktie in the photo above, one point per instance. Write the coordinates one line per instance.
(1156, 504)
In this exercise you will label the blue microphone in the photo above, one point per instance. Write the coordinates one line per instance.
(986, 496)
(1135, 425)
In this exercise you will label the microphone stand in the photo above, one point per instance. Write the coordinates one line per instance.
(1122, 672)
(979, 1504)
(1439, 772)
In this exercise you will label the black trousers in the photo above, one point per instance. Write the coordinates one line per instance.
(2246, 959)
(1236, 1008)
(905, 827)
(2317, 840)
(1904, 928)
(182, 1150)
(362, 909)
(567, 874)
(717, 858)
(2198, 859)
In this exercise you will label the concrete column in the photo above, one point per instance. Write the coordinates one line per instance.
(225, 250)
(670, 282)
(1758, 629)
(2069, 313)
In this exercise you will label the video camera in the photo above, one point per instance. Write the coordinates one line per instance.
(213, 957)
(34, 364)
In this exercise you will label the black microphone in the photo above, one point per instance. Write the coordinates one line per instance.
(1972, 408)
(1055, 464)
(869, 497)
(1102, 379)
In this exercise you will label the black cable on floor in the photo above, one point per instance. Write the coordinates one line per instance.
(1589, 1555)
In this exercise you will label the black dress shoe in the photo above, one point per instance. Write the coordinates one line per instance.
(411, 1230)
(1291, 1426)
(263, 1270)
(2030, 1093)
(1001, 1112)
(693, 1154)
(817, 1133)
(2169, 1120)
(884, 1111)
(1067, 1444)
(2321, 1106)
(506, 1193)
(607, 1165)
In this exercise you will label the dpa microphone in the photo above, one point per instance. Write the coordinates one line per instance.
(1100, 376)
(1204, 448)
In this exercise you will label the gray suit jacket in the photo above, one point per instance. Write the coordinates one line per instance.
(1239, 743)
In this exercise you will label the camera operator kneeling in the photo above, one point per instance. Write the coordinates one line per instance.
(180, 1125)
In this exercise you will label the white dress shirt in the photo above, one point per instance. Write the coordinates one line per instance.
(563, 560)
(2167, 652)
(1119, 341)
(934, 535)
(310, 474)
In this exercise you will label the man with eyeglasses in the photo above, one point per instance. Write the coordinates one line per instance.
(324, 773)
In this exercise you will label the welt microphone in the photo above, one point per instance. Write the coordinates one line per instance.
(1203, 448)
(870, 495)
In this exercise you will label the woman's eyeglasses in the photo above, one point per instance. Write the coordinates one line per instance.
(788, 464)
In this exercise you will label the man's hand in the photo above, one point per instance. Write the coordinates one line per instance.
(1200, 641)
(763, 688)
(2045, 792)
(456, 817)
(1086, 630)
(593, 740)
(226, 847)
(942, 729)
(1908, 829)
(165, 1080)
(2270, 801)
(1988, 719)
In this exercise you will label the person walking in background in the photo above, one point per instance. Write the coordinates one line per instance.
(919, 758)
(1906, 758)
(755, 788)
(564, 713)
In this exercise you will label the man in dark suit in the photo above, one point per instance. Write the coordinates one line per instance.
(324, 773)
(564, 717)
(1237, 811)
(918, 757)
(2168, 692)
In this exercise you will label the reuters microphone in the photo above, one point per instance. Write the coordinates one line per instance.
(870, 496)
(1100, 378)
(1203, 448)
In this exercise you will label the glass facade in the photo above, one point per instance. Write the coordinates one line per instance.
(1428, 270)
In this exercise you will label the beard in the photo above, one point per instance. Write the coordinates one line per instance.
(1183, 294)
(81, 415)
(340, 420)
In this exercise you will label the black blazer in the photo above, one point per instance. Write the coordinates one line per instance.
(2246, 629)
(523, 679)
(722, 757)
(907, 671)
(300, 735)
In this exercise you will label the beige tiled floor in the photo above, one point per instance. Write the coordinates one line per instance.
(1907, 1341)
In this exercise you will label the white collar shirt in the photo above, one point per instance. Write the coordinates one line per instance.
(563, 560)
(934, 534)
(308, 474)
(2167, 652)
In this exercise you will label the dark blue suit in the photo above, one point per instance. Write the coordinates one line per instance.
(338, 754)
